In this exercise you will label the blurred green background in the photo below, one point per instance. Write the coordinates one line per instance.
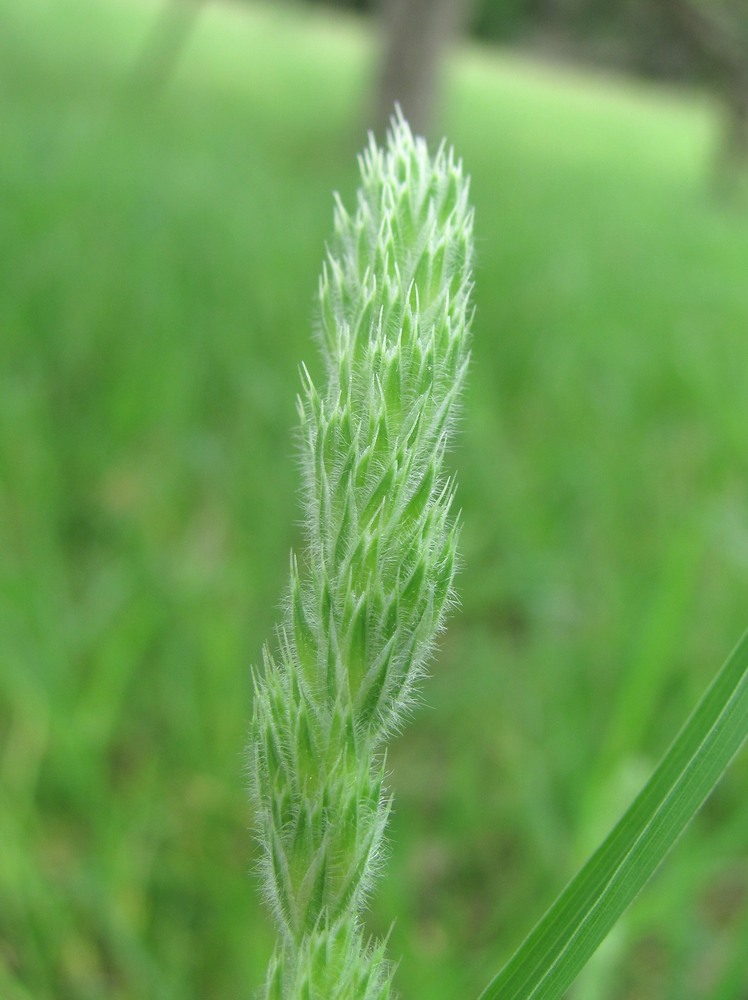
(159, 252)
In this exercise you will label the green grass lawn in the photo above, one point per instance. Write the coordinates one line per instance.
(158, 261)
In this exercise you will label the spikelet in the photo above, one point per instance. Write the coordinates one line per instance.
(365, 605)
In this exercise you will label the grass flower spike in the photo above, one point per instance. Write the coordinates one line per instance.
(368, 598)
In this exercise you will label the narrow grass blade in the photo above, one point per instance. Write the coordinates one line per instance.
(559, 946)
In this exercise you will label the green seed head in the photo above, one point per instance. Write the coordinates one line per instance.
(368, 600)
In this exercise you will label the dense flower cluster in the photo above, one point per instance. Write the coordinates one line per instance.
(369, 597)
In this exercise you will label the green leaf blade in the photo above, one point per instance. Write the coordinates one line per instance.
(556, 950)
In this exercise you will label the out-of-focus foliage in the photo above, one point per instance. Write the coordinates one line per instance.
(635, 35)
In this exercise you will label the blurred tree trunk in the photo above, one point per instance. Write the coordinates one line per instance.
(718, 47)
(416, 37)
(167, 40)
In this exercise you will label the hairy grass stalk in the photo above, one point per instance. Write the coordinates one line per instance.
(367, 600)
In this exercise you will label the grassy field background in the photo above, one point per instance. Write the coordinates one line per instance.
(158, 261)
